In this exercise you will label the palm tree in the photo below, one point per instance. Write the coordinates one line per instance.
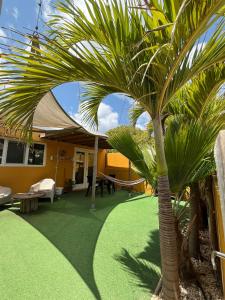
(147, 54)
(197, 104)
(201, 104)
(189, 142)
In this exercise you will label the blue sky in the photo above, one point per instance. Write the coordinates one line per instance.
(22, 16)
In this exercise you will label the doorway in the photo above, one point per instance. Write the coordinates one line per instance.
(83, 166)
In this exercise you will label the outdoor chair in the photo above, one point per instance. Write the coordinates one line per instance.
(47, 186)
(99, 184)
(5, 195)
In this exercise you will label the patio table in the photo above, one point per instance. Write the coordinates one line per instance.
(28, 201)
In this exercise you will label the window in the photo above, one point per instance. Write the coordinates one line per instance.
(1, 149)
(36, 154)
(15, 153)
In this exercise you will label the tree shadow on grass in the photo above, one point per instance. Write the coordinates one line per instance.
(74, 229)
(144, 266)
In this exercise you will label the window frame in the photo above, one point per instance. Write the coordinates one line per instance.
(3, 151)
(26, 155)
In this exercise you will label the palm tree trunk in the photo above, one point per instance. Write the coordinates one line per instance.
(194, 246)
(168, 240)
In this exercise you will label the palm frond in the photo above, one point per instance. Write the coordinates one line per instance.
(93, 96)
(111, 48)
(196, 97)
(207, 167)
(141, 156)
(191, 19)
(135, 113)
(199, 58)
(186, 146)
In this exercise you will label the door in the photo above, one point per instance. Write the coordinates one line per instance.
(83, 166)
(79, 169)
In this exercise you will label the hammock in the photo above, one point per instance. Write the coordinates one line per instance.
(123, 182)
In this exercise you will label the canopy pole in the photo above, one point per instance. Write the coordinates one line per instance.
(129, 178)
(95, 167)
(57, 163)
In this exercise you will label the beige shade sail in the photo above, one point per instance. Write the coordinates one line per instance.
(50, 118)
(49, 114)
(55, 124)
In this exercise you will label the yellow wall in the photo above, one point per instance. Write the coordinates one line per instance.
(220, 230)
(20, 178)
(117, 160)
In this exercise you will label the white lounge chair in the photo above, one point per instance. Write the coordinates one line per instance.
(5, 194)
(47, 186)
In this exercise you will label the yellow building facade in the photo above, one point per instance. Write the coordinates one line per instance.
(59, 163)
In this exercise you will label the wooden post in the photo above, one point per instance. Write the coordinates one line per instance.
(129, 178)
(57, 163)
(95, 167)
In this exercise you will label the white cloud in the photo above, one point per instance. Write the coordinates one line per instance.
(143, 121)
(77, 3)
(81, 4)
(47, 9)
(107, 118)
(15, 12)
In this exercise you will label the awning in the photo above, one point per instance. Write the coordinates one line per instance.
(78, 136)
(55, 124)
(49, 114)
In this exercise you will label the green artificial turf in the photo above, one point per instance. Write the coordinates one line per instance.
(65, 251)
